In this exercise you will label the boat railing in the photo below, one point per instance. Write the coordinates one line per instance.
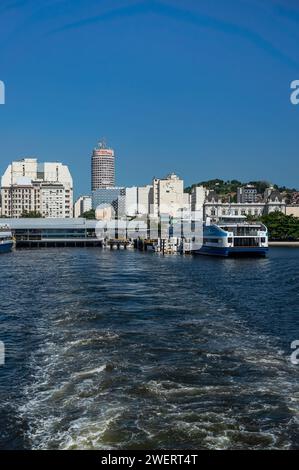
(244, 231)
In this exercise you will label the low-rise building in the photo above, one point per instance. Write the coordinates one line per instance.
(218, 209)
(115, 196)
(215, 208)
(82, 205)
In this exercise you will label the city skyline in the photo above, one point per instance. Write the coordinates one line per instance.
(196, 180)
(166, 93)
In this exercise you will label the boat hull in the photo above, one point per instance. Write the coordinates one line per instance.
(232, 251)
(6, 247)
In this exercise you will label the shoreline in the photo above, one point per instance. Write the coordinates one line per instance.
(284, 244)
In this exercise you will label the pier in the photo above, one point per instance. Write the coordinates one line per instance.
(59, 243)
(78, 233)
(46, 233)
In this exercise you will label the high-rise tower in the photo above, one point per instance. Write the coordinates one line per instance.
(102, 167)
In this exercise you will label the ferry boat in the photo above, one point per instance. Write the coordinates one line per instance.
(233, 236)
(6, 239)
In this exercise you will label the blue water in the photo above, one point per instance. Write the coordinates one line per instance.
(122, 349)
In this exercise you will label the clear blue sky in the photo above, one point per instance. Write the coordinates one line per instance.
(197, 87)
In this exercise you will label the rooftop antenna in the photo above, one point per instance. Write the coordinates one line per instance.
(102, 143)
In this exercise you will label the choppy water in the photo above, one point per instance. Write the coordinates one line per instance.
(135, 350)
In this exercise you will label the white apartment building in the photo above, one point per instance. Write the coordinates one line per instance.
(28, 185)
(197, 197)
(168, 196)
(164, 196)
(52, 200)
(138, 200)
(19, 198)
(144, 196)
(82, 205)
(131, 202)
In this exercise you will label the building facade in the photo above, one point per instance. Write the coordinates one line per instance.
(214, 208)
(131, 203)
(138, 200)
(145, 197)
(102, 167)
(197, 199)
(168, 196)
(114, 196)
(30, 186)
(82, 205)
(247, 194)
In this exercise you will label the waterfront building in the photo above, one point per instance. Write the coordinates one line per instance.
(41, 232)
(131, 201)
(30, 186)
(52, 200)
(115, 196)
(138, 200)
(247, 194)
(105, 212)
(144, 196)
(215, 209)
(19, 198)
(274, 201)
(168, 196)
(80, 232)
(82, 205)
(102, 167)
(198, 195)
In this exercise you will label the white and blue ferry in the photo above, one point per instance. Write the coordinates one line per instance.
(233, 236)
(6, 239)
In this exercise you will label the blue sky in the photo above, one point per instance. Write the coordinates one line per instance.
(200, 88)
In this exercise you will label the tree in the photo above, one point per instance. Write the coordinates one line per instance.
(252, 218)
(223, 188)
(31, 215)
(281, 226)
(90, 215)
